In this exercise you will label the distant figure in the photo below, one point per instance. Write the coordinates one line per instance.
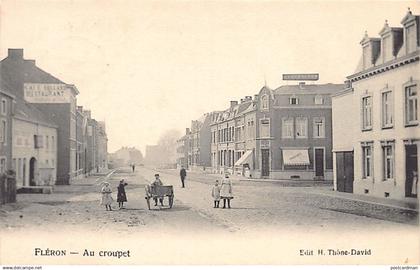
(226, 191)
(183, 174)
(133, 167)
(106, 196)
(215, 193)
(155, 183)
(121, 196)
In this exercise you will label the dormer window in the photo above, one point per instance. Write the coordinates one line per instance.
(264, 102)
(387, 48)
(366, 56)
(293, 100)
(411, 38)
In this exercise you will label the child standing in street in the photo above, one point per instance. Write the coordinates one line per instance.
(106, 196)
(215, 193)
(121, 196)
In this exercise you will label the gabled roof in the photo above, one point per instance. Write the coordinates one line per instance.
(309, 89)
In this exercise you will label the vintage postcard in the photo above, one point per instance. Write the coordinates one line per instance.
(209, 133)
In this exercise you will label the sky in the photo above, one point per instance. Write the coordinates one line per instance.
(145, 67)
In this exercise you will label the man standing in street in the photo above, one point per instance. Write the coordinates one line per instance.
(183, 174)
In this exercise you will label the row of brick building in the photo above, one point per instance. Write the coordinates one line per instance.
(363, 134)
(45, 138)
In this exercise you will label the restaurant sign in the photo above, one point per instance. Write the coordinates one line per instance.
(46, 93)
(301, 77)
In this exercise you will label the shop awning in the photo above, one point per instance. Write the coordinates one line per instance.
(295, 157)
(245, 158)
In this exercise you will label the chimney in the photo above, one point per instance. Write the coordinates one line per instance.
(242, 100)
(32, 62)
(16, 54)
(301, 85)
(255, 97)
(347, 84)
(248, 98)
(233, 103)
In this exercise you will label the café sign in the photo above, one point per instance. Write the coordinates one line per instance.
(46, 93)
(301, 77)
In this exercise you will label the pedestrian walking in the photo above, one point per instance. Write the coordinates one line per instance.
(155, 183)
(226, 191)
(106, 196)
(121, 196)
(215, 193)
(133, 167)
(183, 174)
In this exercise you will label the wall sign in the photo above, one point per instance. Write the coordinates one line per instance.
(301, 77)
(46, 93)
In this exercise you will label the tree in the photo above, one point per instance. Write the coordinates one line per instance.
(167, 145)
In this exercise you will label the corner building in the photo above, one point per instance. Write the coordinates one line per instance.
(376, 144)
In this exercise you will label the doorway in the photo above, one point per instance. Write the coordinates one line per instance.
(345, 171)
(32, 168)
(265, 162)
(319, 162)
(410, 167)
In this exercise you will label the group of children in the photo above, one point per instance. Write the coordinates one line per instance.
(222, 192)
(107, 199)
(219, 192)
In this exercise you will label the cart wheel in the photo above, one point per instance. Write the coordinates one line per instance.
(148, 202)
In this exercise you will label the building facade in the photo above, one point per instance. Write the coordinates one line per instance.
(56, 99)
(199, 143)
(281, 134)
(34, 149)
(6, 125)
(377, 153)
(182, 146)
(233, 138)
(101, 140)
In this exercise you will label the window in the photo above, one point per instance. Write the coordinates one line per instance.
(386, 48)
(287, 128)
(47, 142)
(265, 128)
(367, 160)
(387, 104)
(319, 127)
(3, 167)
(411, 38)
(366, 57)
(3, 106)
(293, 100)
(411, 105)
(38, 141)
(3, 131)
(388, 161)
(301, 127)
(319, 100)
(367, 113)
(264, 102)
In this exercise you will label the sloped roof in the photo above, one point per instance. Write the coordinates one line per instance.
(29, 112)
(309, 89)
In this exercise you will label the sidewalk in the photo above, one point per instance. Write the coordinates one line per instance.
(411, 204)
(407, 204)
